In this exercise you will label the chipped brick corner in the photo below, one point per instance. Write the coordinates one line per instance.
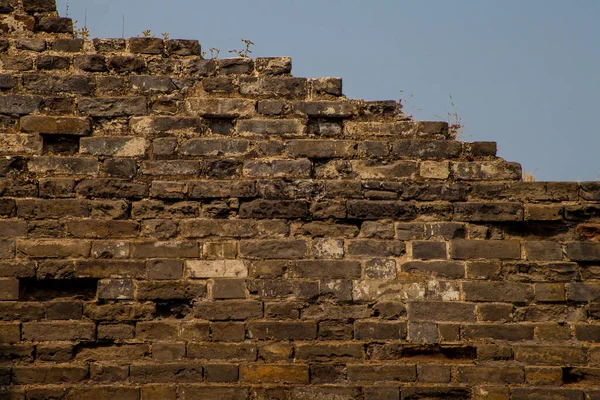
(173, 227)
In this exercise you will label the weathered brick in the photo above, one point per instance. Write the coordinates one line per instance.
(473, 249)
(114, 146)
(325, 269)
(488, 212)
(19, 104)
(366, 209)
(540, 393)
(376, 248)
(217, 268)
(257, 373)
(58, 331)
(110, 269)
(64, 165)
(499, 332)
(326, 109)
(277, 169)
(222, 351)
(242, 228)
(27, 375)
(118, 289)
(379, 330)
(490, 375)
(583, 291)
(550, 355)
(53, 248)
(95, 229)
(167, 290)
(486, 170)
(102, 393)
(379, 373)
(20, 144)
(112, 106)
(282, 330)
(498, 291)
(230, 309)
(166, 372)
(221, 108)
(274, 209)
(43, 83)
(270, 249)
(441, 311)
(55, 125)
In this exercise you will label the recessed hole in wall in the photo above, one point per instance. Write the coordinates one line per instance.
(49, 289)
(60, 144)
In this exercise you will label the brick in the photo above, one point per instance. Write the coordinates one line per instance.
(384, 290)
(473, 249)
(490, 375)
(376, 248)
(95, 229)
(282, 330)
(110, 269)
(221, 108)
(53, 248)
(183, 249)
(486, 170)
(587, 333)
(162, 124)
(274, 209)
(64, 165)
(115, 332)
(441, 311)
(20, 144)
(497, 291)
(43, 83)
(330, 352)
(9, 289)
(325, 269)
(424, 149)
(488, 212)
(114, 146)
(19, 104)
(54, 352)
(379, 330)
(443, 269)
(373, 210)
(112, 106)
(217, 268)
(166, 372)
(228, 310)
(229, 289)
(429, 250)
(215, 147)
(540, 393)
(122, 353)
(320, 148)
(269, 127)
(273, 65)
(325, 392)
(256, 373)
(380, 373)
(10, 333)
(277, 169)
(550, 355)
(102, 393)
(221, 373)
(55, 125)
(583, 251)
(499, 332)
(433, 373)
(119, 289)
(166, 290)
(273, 249)
(325, 109)
(228, 331)
(49, 374)
(58, 331)
(173, 168)
(222, 351)
(274, 87)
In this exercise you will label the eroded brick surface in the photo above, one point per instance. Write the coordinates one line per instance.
(220, 229)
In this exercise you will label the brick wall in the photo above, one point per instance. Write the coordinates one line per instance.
(179, 228)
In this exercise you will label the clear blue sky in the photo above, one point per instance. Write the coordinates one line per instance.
(523, 73)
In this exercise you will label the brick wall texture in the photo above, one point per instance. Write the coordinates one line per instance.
(173, 227)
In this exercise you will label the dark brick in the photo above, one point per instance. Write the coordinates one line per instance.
(473, 249)
(55, 25)
(379, 373)
(112, 106)
(231, 309)
(282, 330)
(441, 311)
(498, 291)
(90, 63)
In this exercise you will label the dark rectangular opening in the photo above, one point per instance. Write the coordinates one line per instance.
(60, 144)
(49, 289)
